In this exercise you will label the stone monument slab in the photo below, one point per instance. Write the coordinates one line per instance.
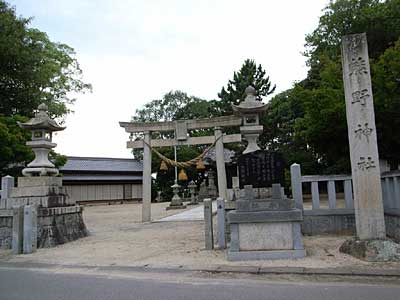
(261, 169)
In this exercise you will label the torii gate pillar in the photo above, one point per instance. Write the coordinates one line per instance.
(220, 159)
(146, 192)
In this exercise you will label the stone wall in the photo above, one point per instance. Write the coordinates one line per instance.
(324, 221)
(6, 223)
(392, 221)
(342, 221)
(60, 225)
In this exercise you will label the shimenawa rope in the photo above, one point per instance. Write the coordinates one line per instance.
(186, 163)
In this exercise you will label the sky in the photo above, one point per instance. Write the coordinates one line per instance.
(135, 51)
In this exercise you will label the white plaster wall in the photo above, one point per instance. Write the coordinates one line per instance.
(102, 192)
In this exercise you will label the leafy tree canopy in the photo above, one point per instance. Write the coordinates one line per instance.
(174, 105)
(33, 70)
(320, 124)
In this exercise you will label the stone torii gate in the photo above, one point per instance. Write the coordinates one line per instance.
(182, 137)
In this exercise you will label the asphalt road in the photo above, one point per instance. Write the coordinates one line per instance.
(55, 285)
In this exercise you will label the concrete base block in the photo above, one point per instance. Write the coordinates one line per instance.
(41, 192)
(265, 255)
(42, 201)
(39, 181)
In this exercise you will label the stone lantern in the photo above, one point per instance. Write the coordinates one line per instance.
(192, 188)
(250, 110)
(42, 128)
(176, 201)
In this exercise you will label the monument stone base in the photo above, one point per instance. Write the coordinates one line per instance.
(265, 228)
(265, 235)
(265, 255)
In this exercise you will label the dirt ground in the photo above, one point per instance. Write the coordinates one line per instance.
(118, 238)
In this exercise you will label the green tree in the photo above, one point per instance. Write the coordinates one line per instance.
(308, 122)
(280, 121)
(13, 151)
(386, 87)
(174, 105)
(249, 74)
(33, 70)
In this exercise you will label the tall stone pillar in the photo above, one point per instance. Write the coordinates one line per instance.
(146, 202)
(364, 157)
(220, 158)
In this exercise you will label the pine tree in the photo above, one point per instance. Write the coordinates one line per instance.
(249, 74)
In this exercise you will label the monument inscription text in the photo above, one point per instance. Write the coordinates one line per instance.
(261, 169)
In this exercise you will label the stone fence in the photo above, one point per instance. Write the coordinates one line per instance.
(334, 219)
(391, 189)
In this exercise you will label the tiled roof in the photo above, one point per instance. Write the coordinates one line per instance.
(102, 164)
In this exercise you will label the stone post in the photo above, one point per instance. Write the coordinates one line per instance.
(7, 183)
(220, 158)
(235, 187)
(221, 223)
(297, 189)
(146, 202)
(30, 229)
(208, 224)
(364, 157)
(18, 229)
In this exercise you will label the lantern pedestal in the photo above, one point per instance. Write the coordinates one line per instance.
(41, 165)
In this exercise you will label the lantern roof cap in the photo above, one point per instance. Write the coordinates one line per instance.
(41, 121)
(250, 103)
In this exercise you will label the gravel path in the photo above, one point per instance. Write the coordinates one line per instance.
(118, 238)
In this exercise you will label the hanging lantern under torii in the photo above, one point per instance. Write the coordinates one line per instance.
(182, 175)
(200, 165)
(163, 166)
